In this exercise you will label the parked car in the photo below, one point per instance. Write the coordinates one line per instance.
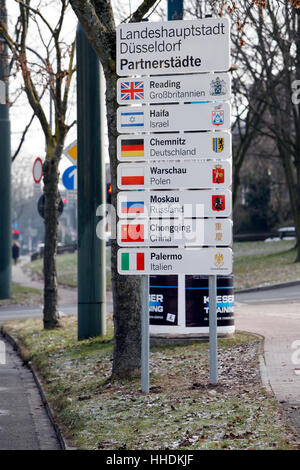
(284, 233)
(287, 233)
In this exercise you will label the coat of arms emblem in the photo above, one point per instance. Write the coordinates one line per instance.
(217, 117)
(219, 260)
(218, 87)
(218, 144)
(218, 203)
(218, 175)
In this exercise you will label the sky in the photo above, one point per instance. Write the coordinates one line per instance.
(20, 112)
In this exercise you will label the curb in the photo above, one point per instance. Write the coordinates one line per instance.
(272, 287)
(58, 432)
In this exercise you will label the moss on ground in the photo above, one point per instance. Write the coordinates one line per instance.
(182, 411)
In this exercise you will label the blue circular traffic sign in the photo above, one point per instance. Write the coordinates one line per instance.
(69, 178)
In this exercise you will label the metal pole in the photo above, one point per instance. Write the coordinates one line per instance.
(5, 166)
(91, 193)
(213, 336)
(145, 333)
(175, 10)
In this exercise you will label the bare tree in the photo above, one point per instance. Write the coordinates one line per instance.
(51, 70)
(97, 19)
(272, 52)
(247, 110)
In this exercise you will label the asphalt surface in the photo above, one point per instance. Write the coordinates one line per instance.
(13, 312)
(288, 293)
(24, 423)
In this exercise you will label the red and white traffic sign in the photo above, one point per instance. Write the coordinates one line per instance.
(37, 170)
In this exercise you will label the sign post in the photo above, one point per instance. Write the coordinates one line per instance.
(145, 334)
(175, 199)
(213, 336)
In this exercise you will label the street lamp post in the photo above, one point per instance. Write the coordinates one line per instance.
(5, 164)
(91, 194)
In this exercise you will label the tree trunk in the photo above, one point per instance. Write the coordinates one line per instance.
(237, 164)
(126, 289)
(52, 199)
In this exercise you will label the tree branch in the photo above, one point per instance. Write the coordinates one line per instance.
(22, 138)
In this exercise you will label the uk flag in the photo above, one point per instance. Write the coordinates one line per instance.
(132, 91)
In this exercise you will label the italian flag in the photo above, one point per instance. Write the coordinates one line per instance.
(133, 261)
(132, 176)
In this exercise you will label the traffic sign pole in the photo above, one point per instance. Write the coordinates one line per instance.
(5, 156)
(213, 336)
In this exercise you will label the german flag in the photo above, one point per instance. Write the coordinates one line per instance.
(132, 147)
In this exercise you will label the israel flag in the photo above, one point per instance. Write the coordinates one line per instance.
(132, 119)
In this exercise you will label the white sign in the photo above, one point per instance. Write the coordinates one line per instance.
(202, 145)
(2, 92)
(185, 175)
(207, 261)
(175, 232)
(177, 117)
(173, 47)
(166, 204)
(72, 195)
(170, 89)
(37, 170)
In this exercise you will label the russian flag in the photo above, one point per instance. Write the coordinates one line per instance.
(132, 207)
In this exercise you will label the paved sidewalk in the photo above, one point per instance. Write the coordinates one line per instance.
(66, 295)
(279, 323)
(24, 423)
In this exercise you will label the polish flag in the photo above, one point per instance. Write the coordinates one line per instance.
(132, 176)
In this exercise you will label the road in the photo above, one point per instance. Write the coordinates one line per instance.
(291, 293)
(273, 295)
(13, 312)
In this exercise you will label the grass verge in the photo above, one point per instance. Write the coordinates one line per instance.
(255, 264)
(263, 264)
(182, 411)
(66, 265)
(22, 295)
